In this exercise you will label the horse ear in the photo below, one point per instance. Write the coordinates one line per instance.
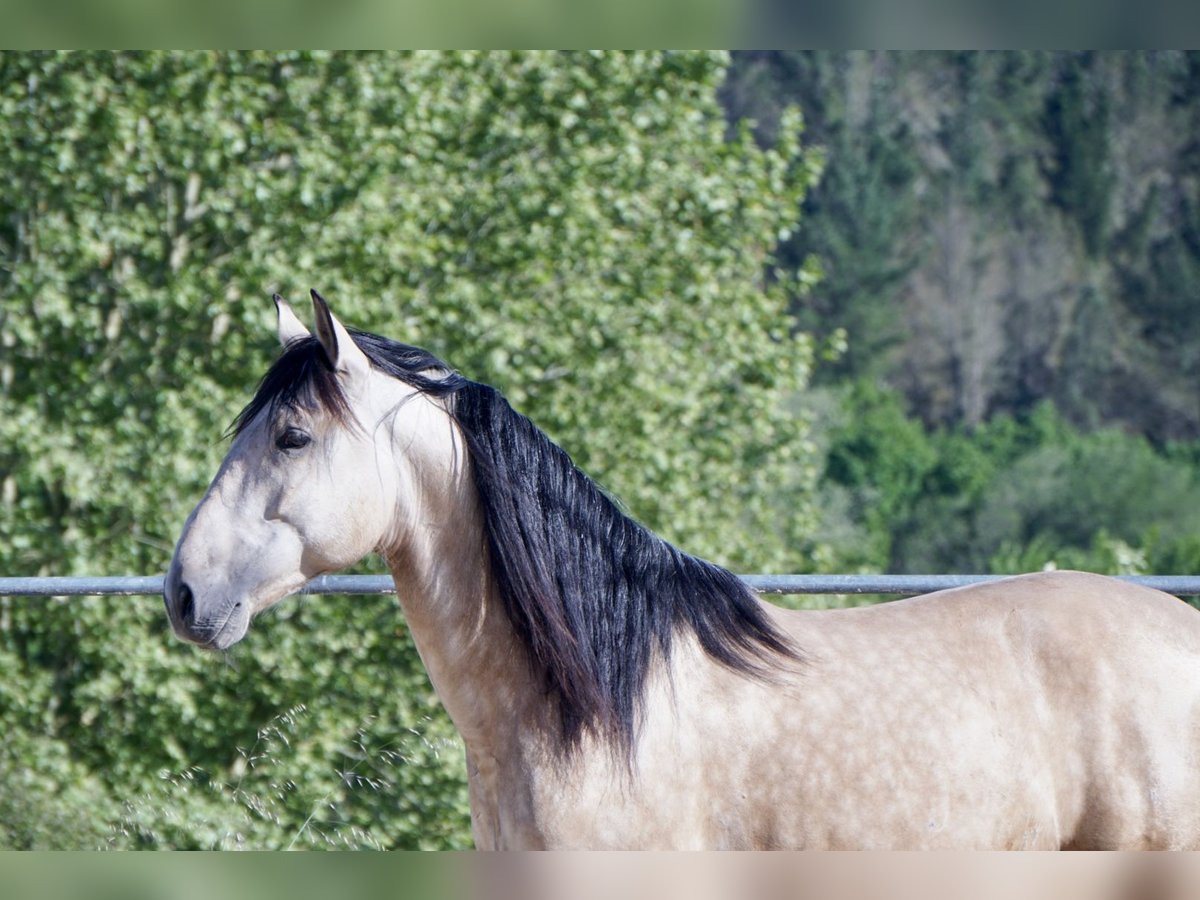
(341, 352)
(289, 326)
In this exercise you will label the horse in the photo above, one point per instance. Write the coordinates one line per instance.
(613, 691)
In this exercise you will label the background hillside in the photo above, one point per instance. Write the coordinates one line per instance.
(1009, 247)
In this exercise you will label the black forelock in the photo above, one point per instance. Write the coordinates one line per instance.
(301, 378)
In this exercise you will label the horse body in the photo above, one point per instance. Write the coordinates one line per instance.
(646, 700)
(1044, 711)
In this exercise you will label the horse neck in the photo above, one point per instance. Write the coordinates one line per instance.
(458, 622)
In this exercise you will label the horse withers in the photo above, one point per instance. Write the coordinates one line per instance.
(613, 691)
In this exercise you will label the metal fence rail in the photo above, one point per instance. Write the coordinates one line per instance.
(147, 585)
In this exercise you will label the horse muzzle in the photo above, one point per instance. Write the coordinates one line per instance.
(197, 620)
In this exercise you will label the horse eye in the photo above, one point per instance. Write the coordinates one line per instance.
(292, 439)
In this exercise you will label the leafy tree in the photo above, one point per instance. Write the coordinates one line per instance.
(574, 228)
(1012, 495)
(884, 460)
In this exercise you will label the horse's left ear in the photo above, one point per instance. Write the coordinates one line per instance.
(342, 354)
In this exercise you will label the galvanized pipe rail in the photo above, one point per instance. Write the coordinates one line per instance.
(147, 585)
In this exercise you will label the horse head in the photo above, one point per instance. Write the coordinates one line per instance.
(310, 484)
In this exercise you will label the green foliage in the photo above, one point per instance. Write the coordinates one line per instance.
(1066, 494)
(1013, 495)
(574, 228)
(882, 460)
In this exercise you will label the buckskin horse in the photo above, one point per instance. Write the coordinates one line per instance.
(614, 691)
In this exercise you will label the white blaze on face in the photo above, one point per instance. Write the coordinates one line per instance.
(298, 495)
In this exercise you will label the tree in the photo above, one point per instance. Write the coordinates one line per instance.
(574, 228)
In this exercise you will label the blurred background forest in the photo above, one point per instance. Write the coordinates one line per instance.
(800, 311)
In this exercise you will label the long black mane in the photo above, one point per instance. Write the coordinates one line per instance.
(592, 594)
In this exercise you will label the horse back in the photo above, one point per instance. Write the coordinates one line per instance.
(1074, 697)
(1044, 711)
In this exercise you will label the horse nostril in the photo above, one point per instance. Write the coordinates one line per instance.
(187, 605)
